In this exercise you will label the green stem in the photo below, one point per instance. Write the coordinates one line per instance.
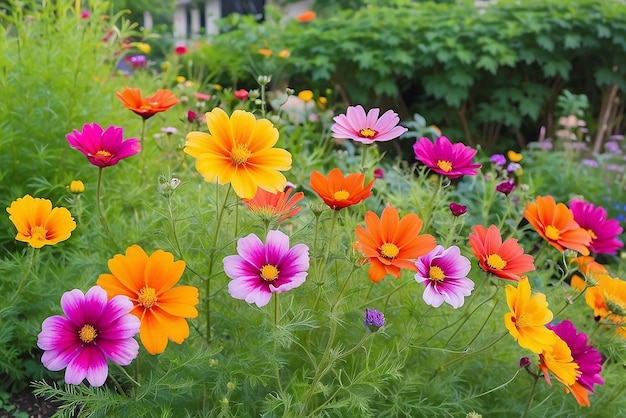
(493, 308)
(333, 221)
(103, 221)
(363, 160)
(275, 311)
(469, 316)
(29, 267)
(530, 398)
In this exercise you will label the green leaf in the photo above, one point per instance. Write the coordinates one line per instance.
(487, 63)
(546, 43)
(572, 41)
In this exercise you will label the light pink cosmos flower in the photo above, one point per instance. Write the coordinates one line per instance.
(258, 270)
(93, 330)
(103, 148)
(444, 272)
(603, 231)
(358, 126)
(445, 158)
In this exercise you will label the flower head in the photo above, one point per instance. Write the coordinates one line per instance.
(306, 95)
(514, 157)
(603, 231)
(241, 94)
(148, 106)
(274, 207)
(238, 150)
(92, 331)
(306, 16)
(498, 159)
(339, 191)
(148, 281)
(391, 243)
(445, 158)
(444, 272)
(367, 128)
(528, 317)
(181, 50)
(374, 319)
(555, 223)
(76, 187)
(38, 224)
(258, 270)
(103, 148)
(558, 359)
(506, 187)
(503, 259)
(457, 209)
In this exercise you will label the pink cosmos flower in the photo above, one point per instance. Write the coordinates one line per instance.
(445, 158)
(603, 231)
(258, 270)
(103, 148)
(444, 272)
(241, 94)
(358, 126)
(93, 330)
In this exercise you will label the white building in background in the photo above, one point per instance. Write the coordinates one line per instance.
(193, 18)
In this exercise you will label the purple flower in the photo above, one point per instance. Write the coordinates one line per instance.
(445, 158)
(612, 147)
(513, 167)
(258, 270)
(588, 358)
(137, 61)
(103, 148)
(603, 231)
(367, 128)
(444, 274)
(498, 159)
(506, 187)
(93, 330)
(457, 209)
(379, 173)
(374, 319)
(590, 163)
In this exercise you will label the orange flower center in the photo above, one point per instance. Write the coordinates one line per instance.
(552, 232)
(104, 156)
(147, 297)
(593, 235)
(38, 233)
(522, 321)
(436, 273)
(269, 273)
(87, 333)
(389, 250)
(445, 165)
(239, 154)
(496, 262)
(367, 133)
(341, 195)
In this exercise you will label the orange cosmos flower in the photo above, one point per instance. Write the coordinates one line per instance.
(528, 318)
(238, 150)
(558, 360)
(149, 281)
(274, 207)
(391, 243)
(38, 224)
(338, 191)
(306, 16)
(506, 260)
(555, 223)
(148, 106)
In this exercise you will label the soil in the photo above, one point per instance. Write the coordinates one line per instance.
(29, 406)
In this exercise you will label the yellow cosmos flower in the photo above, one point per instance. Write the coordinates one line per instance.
(305, 95)
(38, 223)
(514, 157)
(143, 47)
(238, 150)
(284, 53)
(528, 318)
(558, 360)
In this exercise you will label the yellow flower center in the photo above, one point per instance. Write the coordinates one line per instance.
(444, 165)
(103, 155)
(523, 320)
(269, 273)
(593, 235)
(240, 154)
(496, 262)
(436, 273)
(389, 250)
(38, 233)
(341, 195)
(552, 232)
(87, 333)
(147, 297)
(367, 133)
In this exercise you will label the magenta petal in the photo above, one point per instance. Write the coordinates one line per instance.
(90, 364)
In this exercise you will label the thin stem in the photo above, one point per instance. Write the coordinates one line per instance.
(363, 159)
(275, 311)
(128, 375)
(29, 267)
(333, 221)
(143, 151)
(103, 221)
(530, 398)
(493, 308)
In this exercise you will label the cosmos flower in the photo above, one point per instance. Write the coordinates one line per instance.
(444, 272)
(274, 207)
(445, 158)
(391, 244)
(38, 224)
(603, 231)
(92, 331)
(503, 259)
(506, 187)
(258, 270)
(148, 106)
(103, 148)
(457, 209)
(367, 128)
(339, 191)
(558, 360)
(241, 94)
(306, 16)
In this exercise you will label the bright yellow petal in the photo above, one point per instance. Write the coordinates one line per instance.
(220, 127)
(264, 136)
(197, 143)
(59, 225)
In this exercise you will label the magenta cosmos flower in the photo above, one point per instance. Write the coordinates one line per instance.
(444, 272)
(258, 270)
(603, 231)
(93, 330)
(103, 147)
(367, 128)
(445, 158)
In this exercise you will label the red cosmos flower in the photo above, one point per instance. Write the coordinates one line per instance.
(241, 94)
(181, 50)
(274, 207)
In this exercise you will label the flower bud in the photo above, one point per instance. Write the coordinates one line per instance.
(76, 187)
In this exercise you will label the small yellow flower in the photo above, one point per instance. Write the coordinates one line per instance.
(305, 95)
(180, 79)
(76, 187)
(143, 47)
(165, 65)
(514, 157)
(284, 53)
(218, 87)
(322, 102)
(266, 52)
